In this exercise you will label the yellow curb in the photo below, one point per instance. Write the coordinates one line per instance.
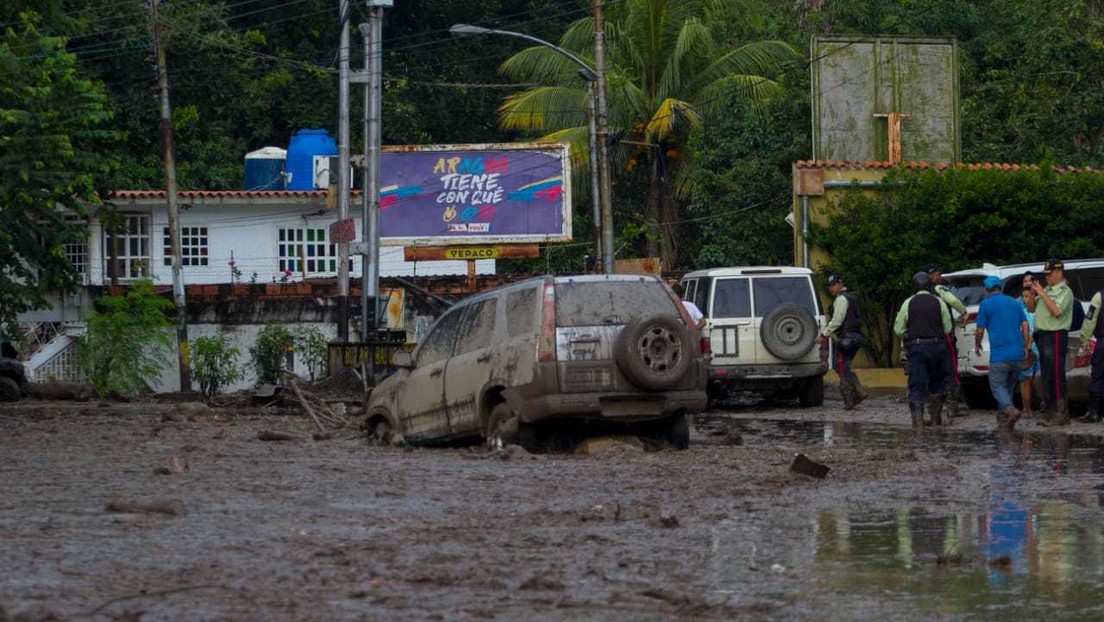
(876, 377)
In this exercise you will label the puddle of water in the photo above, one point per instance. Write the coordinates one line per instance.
(1032, 546)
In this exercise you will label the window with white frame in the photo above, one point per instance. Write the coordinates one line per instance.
(193, 246)
(131, 247)
(306, 251)
(77, 254)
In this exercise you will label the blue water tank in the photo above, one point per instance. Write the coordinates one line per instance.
(264, 169)
(304, 146)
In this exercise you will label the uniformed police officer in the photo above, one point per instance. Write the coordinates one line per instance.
(1053, 308)
(925, 322)
(1090, 328)
(844, 325)
(939, 287)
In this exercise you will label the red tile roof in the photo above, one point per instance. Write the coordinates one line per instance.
(913, 164)
(200, 194)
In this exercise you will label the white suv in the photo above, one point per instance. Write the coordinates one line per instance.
(763, 325)
(1085, 278)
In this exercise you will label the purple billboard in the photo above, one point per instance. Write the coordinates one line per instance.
(475, 194)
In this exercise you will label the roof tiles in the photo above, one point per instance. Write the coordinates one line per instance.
(920, 164)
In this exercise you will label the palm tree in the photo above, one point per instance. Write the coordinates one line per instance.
(668, 72)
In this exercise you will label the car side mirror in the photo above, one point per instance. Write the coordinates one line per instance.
(402, 360)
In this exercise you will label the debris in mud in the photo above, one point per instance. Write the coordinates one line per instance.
(802, 464)
(516, 452)
(610, 444)
(1002, 563)
(667, 522)
(675, 598)
(321, 414)
(270, 435)
(537, 582)
(778, 568)
(950, 559)
(169, 507)
(74, 391)
(193, 411)
(176, 466)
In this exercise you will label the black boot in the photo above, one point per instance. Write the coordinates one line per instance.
(1093, 414)
(847, 391)
(935, 409)
(917, 411)
(1059, 418)
(860, 393)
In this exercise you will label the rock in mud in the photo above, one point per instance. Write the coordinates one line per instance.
(61, 391)
(170, 507)
(802, 464)
(610, 444)
(193, 410)
(515, 452)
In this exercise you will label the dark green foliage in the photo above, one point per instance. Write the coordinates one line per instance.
(127, 341)
(54, 128)
(214, 363)
(269, 353)
(961, 219)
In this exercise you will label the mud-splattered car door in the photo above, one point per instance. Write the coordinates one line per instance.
(421, 400)
(477, 351)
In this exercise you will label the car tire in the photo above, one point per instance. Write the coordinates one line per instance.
(789, 332)
(654, 352)
(678, 431)
(9, 390)
(505, 428)
(811, 392)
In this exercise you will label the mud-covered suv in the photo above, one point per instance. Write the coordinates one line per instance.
(13, 378)
(763, 325)
(551, 353)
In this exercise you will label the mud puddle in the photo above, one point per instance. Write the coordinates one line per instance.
(1017, 531)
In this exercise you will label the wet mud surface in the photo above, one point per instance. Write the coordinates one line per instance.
(129, 511)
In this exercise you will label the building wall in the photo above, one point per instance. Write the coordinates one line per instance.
(248, 233)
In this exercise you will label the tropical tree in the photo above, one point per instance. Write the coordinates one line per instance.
(670, 68)
(54, 133)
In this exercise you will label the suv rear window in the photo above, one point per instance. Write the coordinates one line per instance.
(968, 289)
(769, 292)
(596, 303)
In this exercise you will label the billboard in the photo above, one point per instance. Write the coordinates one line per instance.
(475, 194)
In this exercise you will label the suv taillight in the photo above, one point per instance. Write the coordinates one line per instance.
(546, 344)
(971, 317)
(706, 346)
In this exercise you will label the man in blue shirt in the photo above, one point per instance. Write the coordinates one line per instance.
(1009, 346)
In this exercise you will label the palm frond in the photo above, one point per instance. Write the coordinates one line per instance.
(543, 108)
(755, 90)
(632, 101)
(578, 138)
(694, 39)
(761, 58)
(579, 38)
(542, 65)
(666, 119)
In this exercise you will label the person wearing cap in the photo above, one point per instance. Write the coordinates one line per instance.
(1009, 345)
(923, 321)
(940, 289)
(1092, 328)
(844, 326)
(1053, 308)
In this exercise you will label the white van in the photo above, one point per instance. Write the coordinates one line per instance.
(763, 326)
(1085, 278)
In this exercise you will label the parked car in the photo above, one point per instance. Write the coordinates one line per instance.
(1085, 277)
(13, 378)
(763, 325)
(513, 362)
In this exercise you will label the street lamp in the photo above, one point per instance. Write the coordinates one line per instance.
(596, 117)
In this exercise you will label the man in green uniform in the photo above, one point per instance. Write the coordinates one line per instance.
(844, 326)
(1090, 328)
(923, 321)
(940, 289)
(1053, 309)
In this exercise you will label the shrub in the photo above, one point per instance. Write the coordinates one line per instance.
(127, 341)
(214, 364)
(311, 344)
(269, 352)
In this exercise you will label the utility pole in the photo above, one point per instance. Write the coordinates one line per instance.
(343, 197)
(603, 139)
(170, 193)
(595, 191)
(373, 96)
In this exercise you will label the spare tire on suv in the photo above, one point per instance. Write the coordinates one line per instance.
(789, 331)
(654, 352)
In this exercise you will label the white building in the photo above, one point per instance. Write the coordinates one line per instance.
(227, 236)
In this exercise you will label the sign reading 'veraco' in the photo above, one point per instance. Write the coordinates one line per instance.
(475, 194)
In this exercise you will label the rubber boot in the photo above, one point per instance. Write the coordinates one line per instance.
(1008, 417)
(916, 409)
(1060, 417)
(1093, 414)
(860, 393)
(935, 409)
(954, 403)
(847, 391)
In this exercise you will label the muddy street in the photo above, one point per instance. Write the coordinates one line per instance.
(132, 511)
